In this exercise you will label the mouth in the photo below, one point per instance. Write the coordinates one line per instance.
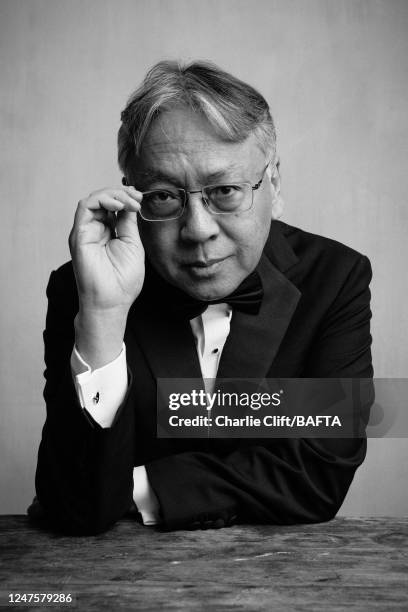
(204, 268)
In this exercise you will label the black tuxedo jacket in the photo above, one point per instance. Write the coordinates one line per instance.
(314, 322)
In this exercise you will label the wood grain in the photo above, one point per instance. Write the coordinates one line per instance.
(353, 564)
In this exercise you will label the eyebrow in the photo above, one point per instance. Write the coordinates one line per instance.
(220, 174)
(158, 175)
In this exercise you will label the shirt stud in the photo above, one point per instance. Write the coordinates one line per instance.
(95, 398)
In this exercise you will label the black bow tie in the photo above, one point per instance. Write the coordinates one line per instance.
(247, 297)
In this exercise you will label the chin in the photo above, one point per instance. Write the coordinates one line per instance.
(208, 290)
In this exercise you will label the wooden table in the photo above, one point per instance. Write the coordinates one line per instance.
(347, 564)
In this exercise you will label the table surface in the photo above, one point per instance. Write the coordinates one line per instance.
(357, 564)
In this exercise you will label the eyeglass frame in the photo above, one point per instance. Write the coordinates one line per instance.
(204, 199)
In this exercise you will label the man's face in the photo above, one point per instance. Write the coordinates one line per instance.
(205, 255)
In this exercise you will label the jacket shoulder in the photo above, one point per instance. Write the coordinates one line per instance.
(313, 245)
(321, 268)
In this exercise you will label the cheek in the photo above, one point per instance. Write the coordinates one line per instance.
(159, 241)
(250, 237)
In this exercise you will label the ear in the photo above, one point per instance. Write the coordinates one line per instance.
(277, 201)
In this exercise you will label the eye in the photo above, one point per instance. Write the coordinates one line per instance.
(224, 192)
(160, 197)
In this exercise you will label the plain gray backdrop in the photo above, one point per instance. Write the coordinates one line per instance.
(335, 75)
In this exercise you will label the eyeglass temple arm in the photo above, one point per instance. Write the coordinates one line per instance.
(259, 183)
(257, 186)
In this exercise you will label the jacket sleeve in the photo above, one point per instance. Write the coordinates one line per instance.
(280, 481)
(84, 477)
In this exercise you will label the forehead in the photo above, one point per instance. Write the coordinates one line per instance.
(187, 140)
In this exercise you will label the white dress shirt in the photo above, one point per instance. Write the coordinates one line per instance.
(102, 390)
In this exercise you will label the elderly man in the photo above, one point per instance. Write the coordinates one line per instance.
(184, 271)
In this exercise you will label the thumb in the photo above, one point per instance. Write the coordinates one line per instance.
(126, 227)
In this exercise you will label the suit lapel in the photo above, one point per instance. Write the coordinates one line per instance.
(254, 341)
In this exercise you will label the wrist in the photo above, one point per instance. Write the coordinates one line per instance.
(99, 335)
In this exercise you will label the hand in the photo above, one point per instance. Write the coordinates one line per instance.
(109, 270)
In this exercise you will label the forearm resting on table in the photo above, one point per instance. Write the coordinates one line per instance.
(101, 391)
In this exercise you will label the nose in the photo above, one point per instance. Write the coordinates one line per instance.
(198, 224)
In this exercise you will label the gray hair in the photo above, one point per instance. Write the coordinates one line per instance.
(233, 108)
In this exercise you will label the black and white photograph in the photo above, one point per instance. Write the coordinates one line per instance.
(204, 363)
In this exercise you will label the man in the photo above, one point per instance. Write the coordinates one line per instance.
(184, 271)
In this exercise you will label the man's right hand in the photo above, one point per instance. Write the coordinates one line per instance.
(109, 270)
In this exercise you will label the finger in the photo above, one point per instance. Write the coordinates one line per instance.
(89, 222)
(133, 192)
(124, 192)
(106, 219)
(95, 209)
(98, 229)
(102, 215)
(130, 201)
(111, 202)
(100, 207)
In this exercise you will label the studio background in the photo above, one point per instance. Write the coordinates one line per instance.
(335, 73)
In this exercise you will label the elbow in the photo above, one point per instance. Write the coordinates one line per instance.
(330, 481)
(75, 509)
(84, 525)
(87, 525)
(327, 513)
(74, 521)
(328, 503)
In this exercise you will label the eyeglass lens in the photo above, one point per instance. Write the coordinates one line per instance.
(163, 204)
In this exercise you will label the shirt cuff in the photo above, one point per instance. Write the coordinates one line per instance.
(100, 391)
(144, 497)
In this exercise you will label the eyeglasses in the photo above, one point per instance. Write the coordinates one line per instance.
(168, 204)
